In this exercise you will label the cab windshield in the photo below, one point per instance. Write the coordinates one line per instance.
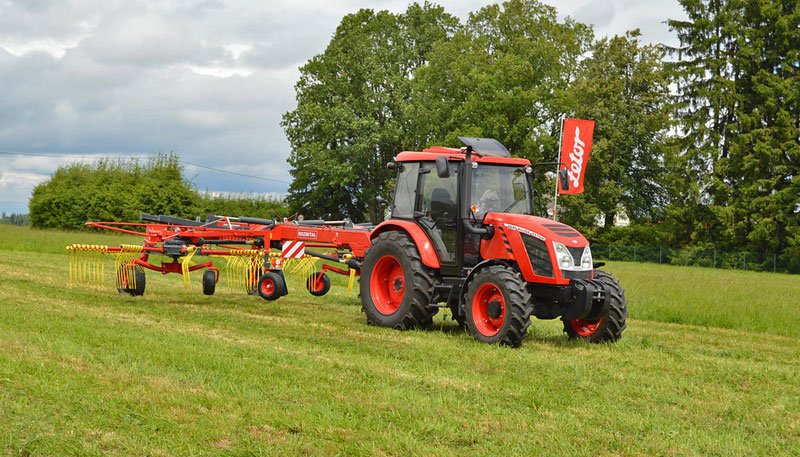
(500, 188)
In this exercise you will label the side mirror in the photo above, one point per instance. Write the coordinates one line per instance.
(442, 168)
(381, 200)
(391, 165)
(563, 179)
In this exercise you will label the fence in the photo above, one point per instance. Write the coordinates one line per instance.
(712, 258)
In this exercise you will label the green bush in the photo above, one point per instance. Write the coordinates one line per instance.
(120, 189)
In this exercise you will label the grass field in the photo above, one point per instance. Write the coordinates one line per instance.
(709, 365)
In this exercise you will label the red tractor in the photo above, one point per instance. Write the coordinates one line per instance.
(463, 235)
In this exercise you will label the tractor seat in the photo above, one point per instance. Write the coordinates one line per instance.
(442, 202)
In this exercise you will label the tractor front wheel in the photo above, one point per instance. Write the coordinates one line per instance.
(498, 306)
(609, 325)
(396, 286)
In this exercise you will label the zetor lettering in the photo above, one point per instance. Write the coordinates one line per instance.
(576, 159)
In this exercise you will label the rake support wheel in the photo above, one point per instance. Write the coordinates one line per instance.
(271, 286)
(396, 287)
(139, 281)
(318, 284)
(209, 282)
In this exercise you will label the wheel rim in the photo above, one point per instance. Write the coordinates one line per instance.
(488, 309)
(387, 285)
(585, 328)
(267, 286)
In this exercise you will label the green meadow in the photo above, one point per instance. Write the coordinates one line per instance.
(709, 365)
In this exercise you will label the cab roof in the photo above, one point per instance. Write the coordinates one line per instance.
(457, 155)
(484, 150)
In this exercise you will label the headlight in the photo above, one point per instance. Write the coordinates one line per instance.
(563, 257)
(567, 262)
(586, 259)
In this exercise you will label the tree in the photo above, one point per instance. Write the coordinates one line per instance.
(738, 87)
(625, 89)
(762, 171)
(505, 75)
(352, 109)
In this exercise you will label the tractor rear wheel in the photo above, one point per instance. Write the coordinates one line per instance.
(498, 306)
(396, 286)
(609, 326)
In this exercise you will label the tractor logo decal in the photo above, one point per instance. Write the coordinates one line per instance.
(293, 250)
(576, 146)
(525, 231)
(306, 234)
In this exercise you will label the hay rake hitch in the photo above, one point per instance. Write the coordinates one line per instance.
(258, 253)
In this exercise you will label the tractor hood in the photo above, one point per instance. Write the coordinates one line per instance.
(538, 227)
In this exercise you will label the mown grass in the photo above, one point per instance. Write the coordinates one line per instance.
(89, 372)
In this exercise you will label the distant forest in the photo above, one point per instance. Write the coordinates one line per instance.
(15, 219)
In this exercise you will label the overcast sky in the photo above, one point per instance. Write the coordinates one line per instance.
(209, 79)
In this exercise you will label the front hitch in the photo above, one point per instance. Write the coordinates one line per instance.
(585, 299)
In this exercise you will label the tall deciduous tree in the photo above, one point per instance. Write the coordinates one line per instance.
(352, 109)
(625, 89)
(506, 75)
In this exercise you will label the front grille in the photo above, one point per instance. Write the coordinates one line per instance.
(537, 252)
(577, 274)
(577, 254)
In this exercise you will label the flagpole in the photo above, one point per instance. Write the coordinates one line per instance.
(558, 167)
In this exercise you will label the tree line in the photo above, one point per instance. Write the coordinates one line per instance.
(15, 219)
(698, 144)
(121, 189)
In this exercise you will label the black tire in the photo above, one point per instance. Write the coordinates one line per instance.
(311, 281)
(401, 302)
(501, 288)
(209, 282)
(139, 279)
(271, 286)
(612, 320)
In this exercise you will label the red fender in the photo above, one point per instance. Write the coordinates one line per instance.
(424, 246)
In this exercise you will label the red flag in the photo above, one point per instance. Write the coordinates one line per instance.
(576, 145)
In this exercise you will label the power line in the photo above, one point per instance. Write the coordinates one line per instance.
(234, 173)
(218, 170)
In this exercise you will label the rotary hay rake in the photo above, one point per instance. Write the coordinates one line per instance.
(258, 254)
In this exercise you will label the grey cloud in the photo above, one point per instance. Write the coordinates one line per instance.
(599, 13)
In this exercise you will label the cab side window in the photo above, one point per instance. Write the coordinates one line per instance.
(405, 193)
(440, 197)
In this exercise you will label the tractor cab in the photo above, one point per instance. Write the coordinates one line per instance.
(446, 192)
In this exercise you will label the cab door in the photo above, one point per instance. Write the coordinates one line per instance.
(438, 213)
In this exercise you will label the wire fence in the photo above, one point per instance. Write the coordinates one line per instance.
(711, 258)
